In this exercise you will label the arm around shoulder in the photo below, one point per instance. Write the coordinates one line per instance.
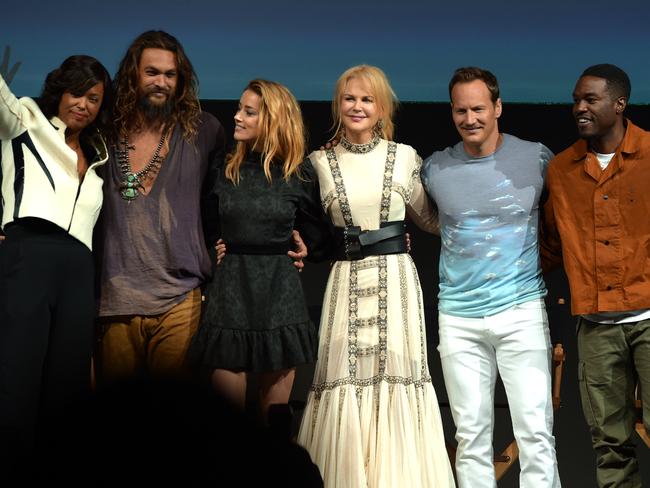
(419, 207)
(550, 244)
(545, 157)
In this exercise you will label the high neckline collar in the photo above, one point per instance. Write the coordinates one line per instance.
(360, 148)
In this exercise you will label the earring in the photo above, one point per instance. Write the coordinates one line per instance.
(379, 126)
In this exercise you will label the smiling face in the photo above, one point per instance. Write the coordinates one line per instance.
(359, 111)
(475, 116)
(157, 76)
(595, 110)
(78, 112)
(247, 118)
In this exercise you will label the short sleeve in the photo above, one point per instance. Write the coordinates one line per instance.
(545, 157)
(549, 238)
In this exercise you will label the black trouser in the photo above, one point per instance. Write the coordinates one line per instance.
(46, 330)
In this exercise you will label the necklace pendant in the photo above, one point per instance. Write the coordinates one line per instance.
(129, 187)
(132, 182)
(129, 194)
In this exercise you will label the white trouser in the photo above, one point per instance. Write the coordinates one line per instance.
(515, 343)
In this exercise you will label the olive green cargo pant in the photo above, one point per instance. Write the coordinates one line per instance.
(612, 358)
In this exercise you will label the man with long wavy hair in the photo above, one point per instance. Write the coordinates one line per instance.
(153, 255)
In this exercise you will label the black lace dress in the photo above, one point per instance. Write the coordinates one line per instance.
(255, 317)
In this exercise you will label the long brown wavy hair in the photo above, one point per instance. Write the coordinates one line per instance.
(282, 132)
(187, 110)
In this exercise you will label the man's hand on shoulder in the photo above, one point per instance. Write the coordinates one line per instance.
(329, 144)
(221, 251)
(299, 251)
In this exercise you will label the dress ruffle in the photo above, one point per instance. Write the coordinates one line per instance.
(254, 318)
(359, 437)
(255, 350)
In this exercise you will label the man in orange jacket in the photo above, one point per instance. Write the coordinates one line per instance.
(596, 221)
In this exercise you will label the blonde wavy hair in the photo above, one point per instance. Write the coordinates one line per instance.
(377, 84)
(281, 138)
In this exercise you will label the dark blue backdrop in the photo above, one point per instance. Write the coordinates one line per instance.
(536, 49)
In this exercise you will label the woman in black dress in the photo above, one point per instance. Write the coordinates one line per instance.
(255, 319)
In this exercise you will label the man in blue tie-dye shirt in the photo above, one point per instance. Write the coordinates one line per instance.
(491, 302)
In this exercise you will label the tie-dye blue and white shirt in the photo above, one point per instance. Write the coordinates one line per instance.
(489, 212)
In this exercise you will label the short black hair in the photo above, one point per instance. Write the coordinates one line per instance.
(77, 74)
(468, 74)
(618, 83)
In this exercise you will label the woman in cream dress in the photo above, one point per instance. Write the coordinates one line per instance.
(372, 417)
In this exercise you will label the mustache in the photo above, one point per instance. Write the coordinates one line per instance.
(156, 89)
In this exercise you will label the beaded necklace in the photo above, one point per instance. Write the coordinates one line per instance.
(132, 182)
(360, 148)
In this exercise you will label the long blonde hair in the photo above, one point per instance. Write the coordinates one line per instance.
(377, 83)
(281, 132)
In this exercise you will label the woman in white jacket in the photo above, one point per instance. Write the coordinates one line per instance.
(51, 197)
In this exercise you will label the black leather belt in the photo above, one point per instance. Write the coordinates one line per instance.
(280, 248)
(354, 243)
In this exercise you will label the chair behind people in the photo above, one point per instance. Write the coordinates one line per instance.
(639, 426)
(503, 461)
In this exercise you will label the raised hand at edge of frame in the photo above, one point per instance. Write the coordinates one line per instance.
(7, 72)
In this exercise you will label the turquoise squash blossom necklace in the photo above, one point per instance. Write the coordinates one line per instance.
(132, 182)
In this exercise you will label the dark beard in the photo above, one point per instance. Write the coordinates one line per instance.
(156, 114)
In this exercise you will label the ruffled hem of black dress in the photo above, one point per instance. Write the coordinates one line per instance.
(254, 351)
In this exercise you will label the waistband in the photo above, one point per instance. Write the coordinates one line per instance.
(33, 227)
(281, 248)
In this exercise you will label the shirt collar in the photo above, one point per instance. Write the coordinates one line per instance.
(630, 144)
(58, 124)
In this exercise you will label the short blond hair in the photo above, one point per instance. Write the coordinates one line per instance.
(377, 84)
(282, 132)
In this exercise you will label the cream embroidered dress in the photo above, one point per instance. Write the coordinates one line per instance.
(372, 417)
